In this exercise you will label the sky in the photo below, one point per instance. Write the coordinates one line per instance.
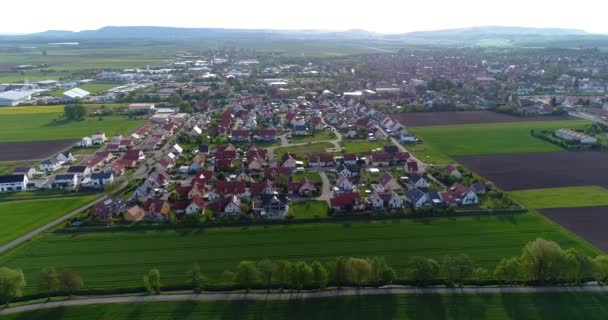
(385, 16)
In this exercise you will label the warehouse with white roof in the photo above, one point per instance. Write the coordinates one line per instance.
(14, 97)
(76, 93)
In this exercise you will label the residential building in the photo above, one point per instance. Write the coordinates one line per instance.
(15, 182)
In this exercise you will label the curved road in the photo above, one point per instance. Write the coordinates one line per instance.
(296, 296)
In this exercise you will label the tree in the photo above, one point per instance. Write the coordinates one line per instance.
(422, 270)
(579, 266)
(74, 111)
(359, 271)
(457, 268)
(378, 266)
(152, 281)
(281, 272)
(339, 270)
(319, 274)
(508, 270)
(301, 275)
(600, 268)
(12, 282)
(247, 274)
(266, 269)
(196, 278)
(388, 276)
(49, 281)
(542, 260)
(70, 281)
(481, 274)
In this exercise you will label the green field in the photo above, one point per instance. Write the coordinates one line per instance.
(47, 126)
(23, 110)
(569, 197)
(549, 306)
(489, 138)
(302, 152)
(19, 217)
(313, 177)
(309, 209)
(111, 259)
(361, 146)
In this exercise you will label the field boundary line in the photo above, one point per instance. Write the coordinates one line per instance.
(345, 292)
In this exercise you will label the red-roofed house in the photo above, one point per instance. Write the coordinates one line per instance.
(261, 188)
(388, 182)
(227, 188)
(241, 135)
(379, 158)
(411, 166)
(302, 188)
(346, 201)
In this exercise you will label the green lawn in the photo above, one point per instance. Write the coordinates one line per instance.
(46, 126)
(569, 197)
(7, 167)
(546, 306)
(302, 152)
(313, 177)
(360, 146)
(24, 110)
(490, 138)
(111, 259)
(319, 136)
(19, 217)
(309, 209)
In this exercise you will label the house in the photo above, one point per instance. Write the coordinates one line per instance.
(203, 148)
(192, 191)
(346, 201)
(240, 136)
(157, 179)
(268, 134)
(418, 181)
(50, 165)
(452, 171)
(27, 171)
(388, 199)
(227, 188)
(230, 206)
(349, 159)
(348, 171)
(388, 182)
(401, 157)
(380, 158)
(113, 147)
(411, 166)
(197, 205)
(15, 182)
(392, 149)
(479, 188)
(134, 155)
(344, 183)
(243, 176)
(407, 137)
(176, 149)
(272, 205)
(321, 160)
(65, 181)
(85, 142)
(195, 131)
(157, 209)
(80, 171)
(274, 172)
(109, 208)
(290, 162)
(101, 179)
(134, 213)
(255, 163)
(463, 195)
(262, 188)
(302, 188)
(99, 137)
(417, 198)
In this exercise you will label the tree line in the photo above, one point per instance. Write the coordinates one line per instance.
(540, 262)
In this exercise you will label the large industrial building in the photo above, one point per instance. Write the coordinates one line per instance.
(14, 97)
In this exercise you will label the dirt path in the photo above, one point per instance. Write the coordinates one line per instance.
(181, 296)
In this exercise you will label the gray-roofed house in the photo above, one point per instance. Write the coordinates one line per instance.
(417, 198)
(15, 182)
(65, 181)
(50, 165)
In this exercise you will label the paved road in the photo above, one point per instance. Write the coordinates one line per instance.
(325, 189)
(181, 296)
(48, 226)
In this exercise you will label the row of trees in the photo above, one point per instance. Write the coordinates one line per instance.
(12, 282)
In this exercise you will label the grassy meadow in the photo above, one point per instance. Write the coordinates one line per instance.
(302, 152)
(309, 209)
(488, 138)
(20, 217)
(546, 306)
(118, 259)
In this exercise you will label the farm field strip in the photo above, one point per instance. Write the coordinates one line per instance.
(118, 259)
(422, 119)
(495, 138)
(32, 150)
(19, 217)
(587, 222)
(541, 170)
(561, 197)
(548, 306)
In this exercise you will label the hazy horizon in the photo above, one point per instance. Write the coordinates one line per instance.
(383, 16)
